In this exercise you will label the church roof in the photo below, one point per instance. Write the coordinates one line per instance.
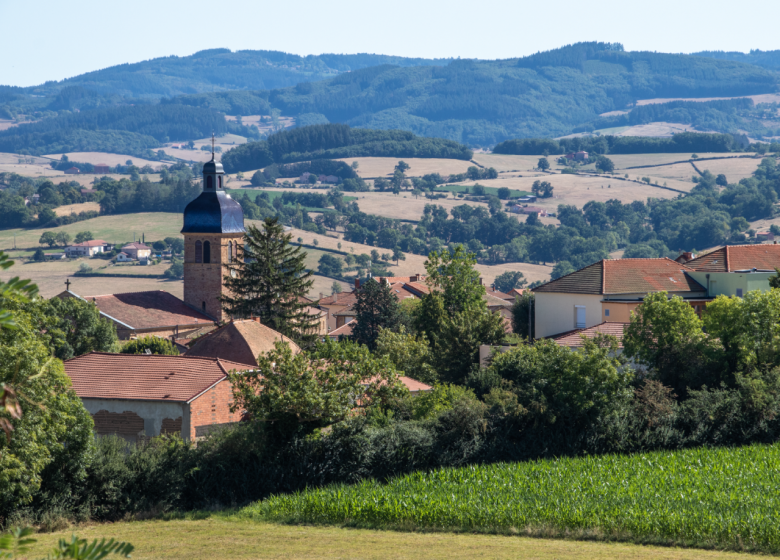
(148, 310)
(239, 341)
(213, 212)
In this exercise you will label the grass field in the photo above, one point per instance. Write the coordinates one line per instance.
(114, 229)
(459, 188)
(415, 264)
(722, 498)
(77, 208)
(231, 538)
(103, 157)
(384, 167)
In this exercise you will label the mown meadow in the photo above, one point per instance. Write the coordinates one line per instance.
(721, 498)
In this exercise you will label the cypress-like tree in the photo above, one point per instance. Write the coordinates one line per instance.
(376, 308)
(266, 280)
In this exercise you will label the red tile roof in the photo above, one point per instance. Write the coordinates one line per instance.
(625, 276)
(344, 298)
(145, 310)
(573, 339)
(738, 257)
(136, 245)
(413, 385)
(151, 377)
(239, 341)
(498, 294)
(90, 243)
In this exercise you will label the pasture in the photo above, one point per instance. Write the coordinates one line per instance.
(103, 157)
(77, 208)
(384, 166)
(415, 264)
(724, 498)
(229, 537)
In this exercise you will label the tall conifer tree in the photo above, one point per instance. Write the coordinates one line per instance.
(376, 308)
(266, 280)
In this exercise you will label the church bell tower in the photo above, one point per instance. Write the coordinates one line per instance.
(213, 230)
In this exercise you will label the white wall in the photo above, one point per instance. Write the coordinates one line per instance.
(555, 313)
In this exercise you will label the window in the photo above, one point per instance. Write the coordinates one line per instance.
(220, 181)
(606, 313)
(579, 316)
(209, 182)
(206, 252)
(230, 251)
(739, 292)
(198, 252)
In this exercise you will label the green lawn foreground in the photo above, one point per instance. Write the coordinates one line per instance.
(218, 536)
(719, 498)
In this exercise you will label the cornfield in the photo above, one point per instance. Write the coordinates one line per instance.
(726, 498)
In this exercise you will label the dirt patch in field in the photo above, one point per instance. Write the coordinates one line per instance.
(384, 167)
(77, 208)
(657, 129)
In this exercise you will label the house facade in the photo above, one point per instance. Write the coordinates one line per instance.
(86, 249)
(137, 251)
(734, 270)
(610, 290)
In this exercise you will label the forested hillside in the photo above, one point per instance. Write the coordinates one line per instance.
(484, 102)
(221, 70)
(767, 59)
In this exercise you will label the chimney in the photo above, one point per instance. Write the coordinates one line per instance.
(357, 283)
(321, 295)
(413, 278)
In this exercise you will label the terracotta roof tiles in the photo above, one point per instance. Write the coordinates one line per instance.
(738, 257)
(144, 310)
(100, 375)
(573, 339)
(239, 341)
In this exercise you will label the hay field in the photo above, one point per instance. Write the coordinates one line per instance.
(104, 157)
(415, 264)
(578, 189)
(734, 169)
(762, 98)
(623, 161)
(657, 129)
(50, 277)
(502, 162)
(383, 167)
(114, 229)
(16, 158)
(400, 208)
(77, 208)
(190, 155)
(680, 172)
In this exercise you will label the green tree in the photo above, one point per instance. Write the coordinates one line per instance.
(666, 335)
(523, 315)
(355, 165)
(504, 193)
(309, 390)
(543, 164)
(560, 387)
(411, 355)
(398, 255)
(176, 244)
(63, 238)
(330, 265)
(159, 246)
(39, 255)
(454, 315)
(402, 166)
(605, 165)
(721, 180)
(50, 425)
(270, 274)
(561, 268)
(176, 270)
(48, 238)
(774, 281)
(154, 345)
(509, 280)
(376, 307)
(83, 236)
(335, 288)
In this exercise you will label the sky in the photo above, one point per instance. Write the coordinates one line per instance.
(55, 40)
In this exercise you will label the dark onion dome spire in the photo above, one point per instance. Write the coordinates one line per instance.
(213, 211)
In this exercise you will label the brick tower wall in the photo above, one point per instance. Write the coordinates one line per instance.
(204, 282)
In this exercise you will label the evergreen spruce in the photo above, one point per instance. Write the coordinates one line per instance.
(270, 274)
(376, 308)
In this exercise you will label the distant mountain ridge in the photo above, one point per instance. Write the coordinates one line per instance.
(221, 70)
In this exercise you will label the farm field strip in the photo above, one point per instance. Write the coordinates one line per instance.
(724, 498)
(199, 537)
(384, 166)
(104, 157)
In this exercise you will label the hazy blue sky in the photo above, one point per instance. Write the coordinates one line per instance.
(51, 40)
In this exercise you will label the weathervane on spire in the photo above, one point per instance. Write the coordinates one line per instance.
(212, 146)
